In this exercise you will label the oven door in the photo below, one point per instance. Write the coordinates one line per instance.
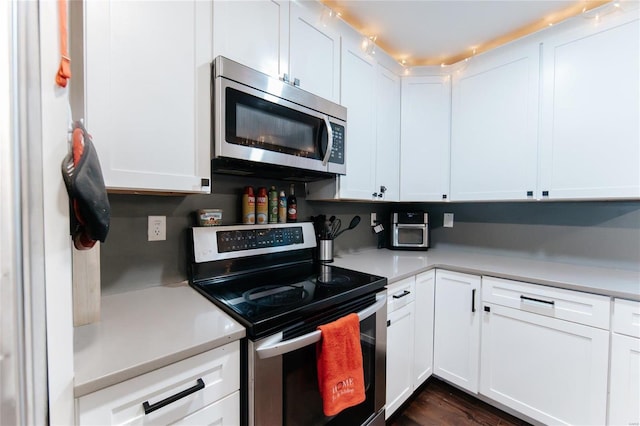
(283, 382)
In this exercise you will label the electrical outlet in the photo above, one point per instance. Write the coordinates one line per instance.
(373, 219)
(448, 220)
(157, 228)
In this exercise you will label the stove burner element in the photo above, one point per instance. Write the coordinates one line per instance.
(327, 278)
(275, 295)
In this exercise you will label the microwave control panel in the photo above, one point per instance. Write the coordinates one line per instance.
(337, 152)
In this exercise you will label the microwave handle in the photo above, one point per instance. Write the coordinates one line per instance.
(274, 345)
(325, 160)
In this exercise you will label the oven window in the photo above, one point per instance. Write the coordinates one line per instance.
(256, 122)
(413, 236)
(302, 404)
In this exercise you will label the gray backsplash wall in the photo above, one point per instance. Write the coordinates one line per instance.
(130, 262)
(597, 233)
(593, 233)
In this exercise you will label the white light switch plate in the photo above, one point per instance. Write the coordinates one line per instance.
(448, 220)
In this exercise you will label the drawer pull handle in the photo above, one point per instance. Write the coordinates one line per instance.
(531, 299)
(149, 408)
(473, 300)
(404, 293)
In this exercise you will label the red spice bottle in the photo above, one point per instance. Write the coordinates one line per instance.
(262, 206)
(248, 206)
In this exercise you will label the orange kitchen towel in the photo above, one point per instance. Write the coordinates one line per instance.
(340, 373)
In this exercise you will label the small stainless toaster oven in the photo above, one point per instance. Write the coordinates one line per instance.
(409, 231)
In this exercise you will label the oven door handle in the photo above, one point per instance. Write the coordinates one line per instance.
(274, 345)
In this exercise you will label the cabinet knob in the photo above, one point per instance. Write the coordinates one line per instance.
(374, 195)
(296, 82)
(285, 77)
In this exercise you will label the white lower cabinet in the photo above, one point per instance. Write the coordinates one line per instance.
(400, 335)
(624, 378)
(538, 359)
(456, 340)
(198, 390)
(423, 328)
(409, 337)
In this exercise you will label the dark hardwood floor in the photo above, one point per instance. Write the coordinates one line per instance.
(439, 403)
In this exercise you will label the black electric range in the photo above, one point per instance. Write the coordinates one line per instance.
(266, 278)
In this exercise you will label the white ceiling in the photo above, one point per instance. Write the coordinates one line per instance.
(435, 31)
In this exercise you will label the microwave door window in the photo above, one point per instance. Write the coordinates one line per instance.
(255, 122)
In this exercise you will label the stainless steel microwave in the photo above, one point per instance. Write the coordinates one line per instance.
(409, 231)
(268, 127)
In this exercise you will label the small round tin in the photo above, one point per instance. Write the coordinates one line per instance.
(209, 217)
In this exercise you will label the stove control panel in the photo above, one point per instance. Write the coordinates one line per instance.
(249, 239)
(213, 243)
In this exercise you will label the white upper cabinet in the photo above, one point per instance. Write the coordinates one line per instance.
(425, 138)
(358, 79)
(387, 124)
(494, 126)
(253, 33)
(281, 37)
(147, 103)
(590, 140)
(314, 52)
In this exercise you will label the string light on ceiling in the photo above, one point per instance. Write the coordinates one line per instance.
(599, 12)
(369, 45)
(589, 9)
(329, 16)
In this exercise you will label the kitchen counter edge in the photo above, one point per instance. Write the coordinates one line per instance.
(398, 265)
(131, 337)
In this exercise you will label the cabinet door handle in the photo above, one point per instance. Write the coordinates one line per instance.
(473, 300)
(551, 303)
(404, 293)
(149, 408)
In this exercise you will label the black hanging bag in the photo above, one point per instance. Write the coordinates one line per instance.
(90, 212)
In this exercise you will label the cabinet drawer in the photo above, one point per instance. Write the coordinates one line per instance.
(122, 404)
(626, 317)
(575, 306)
(221, 413)
(401, 293)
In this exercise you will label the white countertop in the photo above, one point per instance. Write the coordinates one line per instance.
(396, 265)
(143, 330)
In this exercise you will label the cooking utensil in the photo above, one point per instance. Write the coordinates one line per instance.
(354, 222)
(335, 228)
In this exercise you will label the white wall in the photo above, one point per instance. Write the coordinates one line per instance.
(57, 243)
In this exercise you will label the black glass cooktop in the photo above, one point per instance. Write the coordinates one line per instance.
(265, 301)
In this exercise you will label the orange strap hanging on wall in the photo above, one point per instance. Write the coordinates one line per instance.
(64, 71)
